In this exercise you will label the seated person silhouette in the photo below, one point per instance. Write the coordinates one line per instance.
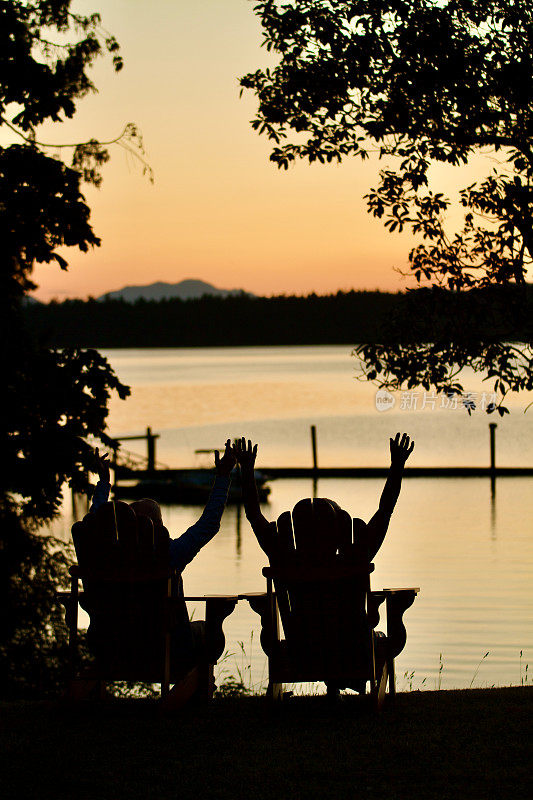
(188, 644)
(370, 536)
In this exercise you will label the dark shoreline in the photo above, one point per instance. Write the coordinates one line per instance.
(243, 321)
(471, 744)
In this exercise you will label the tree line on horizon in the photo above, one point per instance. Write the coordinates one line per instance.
(422, 315)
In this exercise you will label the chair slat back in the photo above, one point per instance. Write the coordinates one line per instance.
(321, 590)
(285, 533)
(115, 544)
(124, 565)
(315, 529)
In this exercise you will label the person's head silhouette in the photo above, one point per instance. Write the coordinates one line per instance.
(148, 508)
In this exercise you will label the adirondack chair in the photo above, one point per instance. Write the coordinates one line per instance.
(134, 601)
(318, 581)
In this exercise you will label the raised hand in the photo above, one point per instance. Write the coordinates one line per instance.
(102, 465)
(400, 449)
(245, 453)
(225, 464)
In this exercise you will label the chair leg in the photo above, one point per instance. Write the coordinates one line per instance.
(381, 688)
(181, 692)
(206, 682)
(392, 679)
(275, 691)
(373, 695)
(165, 683)
(332, 693)
(378, 689)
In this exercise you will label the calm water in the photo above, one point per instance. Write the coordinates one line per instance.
(470, 553)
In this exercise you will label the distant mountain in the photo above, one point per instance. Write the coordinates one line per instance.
(189, 289)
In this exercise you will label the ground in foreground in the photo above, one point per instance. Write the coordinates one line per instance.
(447, 744)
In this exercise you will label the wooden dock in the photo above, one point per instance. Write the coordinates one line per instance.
(125, 473)
(149, 470)
(382, 472)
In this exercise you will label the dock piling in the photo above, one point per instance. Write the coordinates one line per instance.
(150, 447)
(150, 441)
(313, 447)
(315, 460)
(492, 428)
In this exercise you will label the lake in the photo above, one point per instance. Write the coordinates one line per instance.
(469, 551)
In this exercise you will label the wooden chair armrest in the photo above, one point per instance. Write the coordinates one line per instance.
(375, 599)
(398, 601)
(382, 594)
(215, 597)
(217, 608)
(264, 604)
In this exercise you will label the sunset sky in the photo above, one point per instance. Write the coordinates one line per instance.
(218, 210)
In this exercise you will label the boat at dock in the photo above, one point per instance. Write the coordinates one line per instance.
(187, 487)
(137, 476)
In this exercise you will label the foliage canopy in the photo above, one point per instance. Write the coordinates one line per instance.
(421, 82)
(46, 51)
(53, 399)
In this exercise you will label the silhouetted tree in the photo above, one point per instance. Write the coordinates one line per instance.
(422, 82)
(53, 399)
(46, 51)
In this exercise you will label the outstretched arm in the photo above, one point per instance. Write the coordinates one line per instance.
(103, 487)
(184, 548)
(400, 450)
(246, 455)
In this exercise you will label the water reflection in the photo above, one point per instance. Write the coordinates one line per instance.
(493, 507)
(238, 509)
(195, 399)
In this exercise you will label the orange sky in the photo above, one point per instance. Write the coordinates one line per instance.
(218, 210)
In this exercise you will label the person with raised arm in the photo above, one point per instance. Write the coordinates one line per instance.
(185, 547)
(369, 536)
(189, 638)
(264, 530)
(373, 534)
